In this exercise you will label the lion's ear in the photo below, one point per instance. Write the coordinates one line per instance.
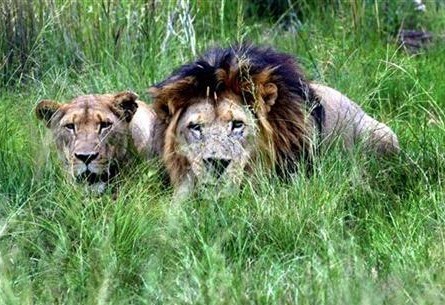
(171, 96)
(161, 108)
(126, 105)
(269, 93)
(46, 109)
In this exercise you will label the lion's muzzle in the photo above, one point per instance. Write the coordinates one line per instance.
(216, 166)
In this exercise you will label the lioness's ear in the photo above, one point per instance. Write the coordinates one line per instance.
(269, 93)
(125, 104)
(46, 109)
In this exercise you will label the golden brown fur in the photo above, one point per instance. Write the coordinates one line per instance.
(95, 134)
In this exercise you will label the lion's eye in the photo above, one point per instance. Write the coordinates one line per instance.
(237, 125)
(105, 125)
(70, 126)
(195, 129)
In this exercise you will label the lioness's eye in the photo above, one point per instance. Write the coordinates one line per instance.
(105, 125)
(69, 126)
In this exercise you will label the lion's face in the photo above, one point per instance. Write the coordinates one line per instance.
(216, 138)
(90, 133)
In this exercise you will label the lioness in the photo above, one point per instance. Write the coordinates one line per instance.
(95, 134)
(219, 113)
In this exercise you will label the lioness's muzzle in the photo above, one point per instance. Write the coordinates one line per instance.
(87, 157)
(92, 178)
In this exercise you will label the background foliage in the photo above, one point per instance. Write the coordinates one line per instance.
(358, 231)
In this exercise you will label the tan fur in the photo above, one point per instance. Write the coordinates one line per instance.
(346, 121)
(95, 135)
(142, 130)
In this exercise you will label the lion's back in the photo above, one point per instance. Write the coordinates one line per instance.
(345, 120)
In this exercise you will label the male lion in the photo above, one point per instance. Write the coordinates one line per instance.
(94, 134)
(218, 114)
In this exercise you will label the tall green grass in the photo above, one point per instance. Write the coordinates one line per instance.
(359, 230)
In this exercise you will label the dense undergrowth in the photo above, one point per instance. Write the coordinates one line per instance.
(358, 231)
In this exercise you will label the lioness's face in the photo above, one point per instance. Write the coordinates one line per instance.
(217, 139)
(91, 133)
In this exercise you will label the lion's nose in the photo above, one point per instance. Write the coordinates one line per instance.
(87, 157)
(216, 166)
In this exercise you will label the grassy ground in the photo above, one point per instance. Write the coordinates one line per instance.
(359, 231)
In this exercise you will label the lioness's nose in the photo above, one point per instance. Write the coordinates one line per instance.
(87, 157)
(217, 166)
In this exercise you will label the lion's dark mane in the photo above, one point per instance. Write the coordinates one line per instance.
(295, 101)
(288, 76)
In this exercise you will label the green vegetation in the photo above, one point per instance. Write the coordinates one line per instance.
(358, 231)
